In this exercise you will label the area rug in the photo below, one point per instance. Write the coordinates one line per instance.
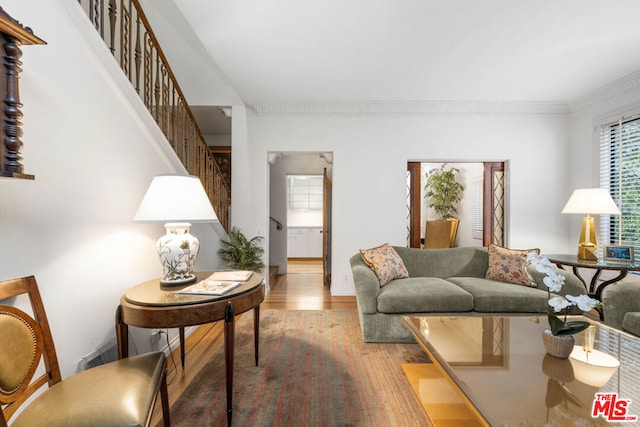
(314, 370)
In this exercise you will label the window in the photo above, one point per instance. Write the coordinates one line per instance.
(304, 192)
(620, 174)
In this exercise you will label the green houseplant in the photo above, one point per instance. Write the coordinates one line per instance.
(241, 253)
(443, 191)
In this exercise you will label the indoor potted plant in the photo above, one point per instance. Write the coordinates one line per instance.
(558, 338)
(443, 193)
(241, 253)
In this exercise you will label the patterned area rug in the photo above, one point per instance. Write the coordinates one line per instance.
(315, 370)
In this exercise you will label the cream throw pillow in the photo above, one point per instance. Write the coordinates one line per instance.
(385, 263)
(509, 265)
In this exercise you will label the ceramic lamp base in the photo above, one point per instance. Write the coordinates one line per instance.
(177, 250)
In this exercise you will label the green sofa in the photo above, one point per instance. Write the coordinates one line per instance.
(443, 282)
(622, 306)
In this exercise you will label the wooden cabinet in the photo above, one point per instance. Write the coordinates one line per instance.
(304, 242)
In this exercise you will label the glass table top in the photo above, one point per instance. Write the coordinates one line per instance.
(500, 364)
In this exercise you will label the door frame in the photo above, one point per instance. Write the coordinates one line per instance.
(414, 202)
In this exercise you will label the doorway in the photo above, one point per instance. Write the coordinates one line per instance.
(305, 174)
(483, 206)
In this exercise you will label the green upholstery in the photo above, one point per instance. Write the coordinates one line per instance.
(622, 306)
(490, 296)
(631, 322)
(444, 263)
(420, 294)
(443, 282)
(120, 399)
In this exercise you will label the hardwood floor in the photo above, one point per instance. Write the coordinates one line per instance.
(301, 289)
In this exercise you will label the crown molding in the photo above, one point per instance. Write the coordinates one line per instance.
(623, 86)
(410, 107)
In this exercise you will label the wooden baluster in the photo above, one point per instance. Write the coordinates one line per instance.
(12, 126)
(156, 89)
(125, 20)
(147, 72)
(113, 16)
(137, 56)
(97, 16)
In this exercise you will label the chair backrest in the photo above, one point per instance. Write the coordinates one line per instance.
(441, 233)
(26, 341)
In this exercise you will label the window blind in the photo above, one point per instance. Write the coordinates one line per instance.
(304, 192)
(477, 209)
(620, 174)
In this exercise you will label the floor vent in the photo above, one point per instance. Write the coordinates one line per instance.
(107, 352)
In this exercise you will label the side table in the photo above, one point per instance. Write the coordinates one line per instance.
(150, 305)
(595, 291)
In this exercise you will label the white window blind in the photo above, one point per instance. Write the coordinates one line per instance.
(304, 192)
(477, 210)
(620, 174)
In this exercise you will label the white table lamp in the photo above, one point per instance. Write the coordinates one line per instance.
(177, 201)
(589, 201)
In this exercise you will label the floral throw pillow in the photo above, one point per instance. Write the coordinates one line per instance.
(385, 263)
(509, 265)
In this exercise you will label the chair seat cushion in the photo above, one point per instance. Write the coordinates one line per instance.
(631, 322)
(491, 296)
(124, 398)
(423, 294)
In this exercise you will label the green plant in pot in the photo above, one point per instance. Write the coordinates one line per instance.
(443, 194)
(443, 191)
(241, 253)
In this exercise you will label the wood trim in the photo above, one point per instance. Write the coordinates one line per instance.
(487, 200)
(414, 204)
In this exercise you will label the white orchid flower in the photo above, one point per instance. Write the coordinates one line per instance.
(584, 302)
(559, 303)
(533, 257)
(554, 281)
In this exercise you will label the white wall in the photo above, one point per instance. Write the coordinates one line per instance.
(93, 156)
(370, 154)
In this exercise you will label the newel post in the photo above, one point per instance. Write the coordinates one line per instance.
(12, 36)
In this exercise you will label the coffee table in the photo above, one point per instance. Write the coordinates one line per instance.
(494, 371)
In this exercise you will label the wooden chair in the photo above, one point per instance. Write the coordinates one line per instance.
(120, 393)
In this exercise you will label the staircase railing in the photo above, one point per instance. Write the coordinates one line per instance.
(125, 29)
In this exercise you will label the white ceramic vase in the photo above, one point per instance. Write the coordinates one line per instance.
(177, 250)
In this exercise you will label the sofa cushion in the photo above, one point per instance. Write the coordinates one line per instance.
(423, 295)
(509, 265)
(385, 263)
(490, 296)
(443, 263)
(631, 322)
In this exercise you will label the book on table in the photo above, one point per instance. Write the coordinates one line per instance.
(231, 275)
(210, 287)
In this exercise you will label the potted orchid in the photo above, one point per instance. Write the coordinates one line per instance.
(558, 338)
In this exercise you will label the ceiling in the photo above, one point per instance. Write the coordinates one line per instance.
(293, 51)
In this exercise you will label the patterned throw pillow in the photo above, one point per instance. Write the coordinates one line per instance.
(509, 265)
(385, 263)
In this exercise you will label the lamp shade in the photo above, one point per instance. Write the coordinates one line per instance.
(175, 198)
(591, 201)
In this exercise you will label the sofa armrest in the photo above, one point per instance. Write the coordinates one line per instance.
(619, 299)
(367, 285)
